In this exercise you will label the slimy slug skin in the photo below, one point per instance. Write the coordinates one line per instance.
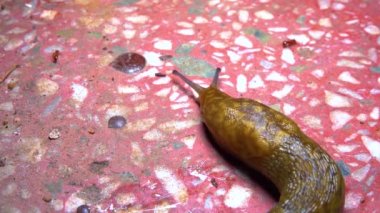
(266, 140)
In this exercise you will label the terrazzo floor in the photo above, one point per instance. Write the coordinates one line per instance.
(59, 91)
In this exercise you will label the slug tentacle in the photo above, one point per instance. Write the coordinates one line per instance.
(216, 78)
(196, 87)
(268, 141)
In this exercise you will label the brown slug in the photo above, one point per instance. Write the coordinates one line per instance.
(266, 140)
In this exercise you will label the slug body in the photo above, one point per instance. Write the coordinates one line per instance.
(266, 140)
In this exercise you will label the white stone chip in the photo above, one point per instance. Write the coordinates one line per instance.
(109, 29)
(318, 73)
(189, 141)
(163, 45)
(237, 197)
(325, 22)
(350, 64)
(263, 14)
(13, 44)
(312, 121)
(153, 58)
(275, 76)
(360, 174)
(347, 77)
(218, 44)
(352, 200)
(243, 16)
(200, 20)
(172, 183)
(373, 146)
(234, 57)
(283, 92)
(338, 6)
(129, 34)
(128, 89)
(300, 38)
(372, 30)
(256, 82)
(243, 41)
(316, 34)
(375, 113)
(6, 106)
(343, 148)
(187, 32)
(278, 29)
(287, 56)
(372, 54)
(48, 14)
(339, 119)
(324, 4)
(241, 84)
(288, 109)
(154, 135)
(350, 93)
(335, 100)
(137, 19)
(79, 92)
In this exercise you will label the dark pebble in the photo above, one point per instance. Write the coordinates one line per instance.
(83, 209)
(129, 63)
(116, 122)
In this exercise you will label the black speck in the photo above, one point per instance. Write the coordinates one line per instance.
(289, 43)
(214, 183)
(116, 122)
(160, 74)
(98, 166)
(5, 124)
(105, 38)
(83, 209)
(2, 162)
(165, 57)
(55, 56)
(129, 63)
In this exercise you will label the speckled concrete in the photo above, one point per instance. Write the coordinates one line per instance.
(58, 93)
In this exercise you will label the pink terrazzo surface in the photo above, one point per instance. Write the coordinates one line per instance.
(162, 160)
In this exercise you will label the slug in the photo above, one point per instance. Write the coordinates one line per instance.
(269, 142)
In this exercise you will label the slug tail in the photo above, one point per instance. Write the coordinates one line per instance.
(193, 85)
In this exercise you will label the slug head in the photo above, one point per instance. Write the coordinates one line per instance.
(199, 89)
